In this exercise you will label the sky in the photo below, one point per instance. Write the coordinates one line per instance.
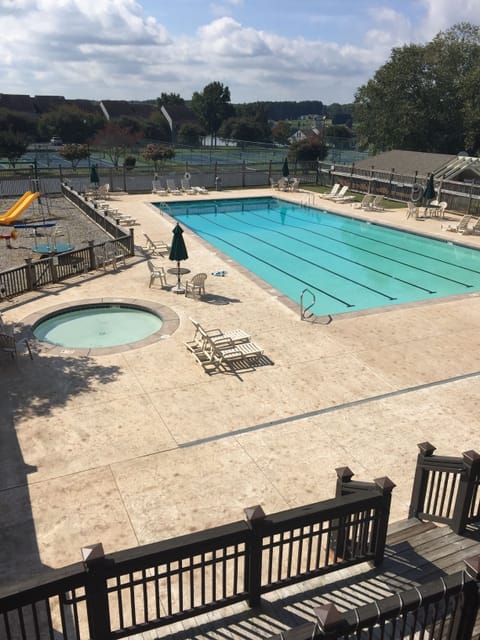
(260, 49)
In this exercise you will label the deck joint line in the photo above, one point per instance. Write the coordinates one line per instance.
(325, 410)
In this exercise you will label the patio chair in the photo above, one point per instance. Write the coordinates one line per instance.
(333, 192)
(365, 203)
(460, 227)
(186, 187)
(157, 273)
(218, 337)
(158, 188)
(377, 204)
(172, 187)
(9, 344)
(196, 286)
(412, 210)
(293, 185)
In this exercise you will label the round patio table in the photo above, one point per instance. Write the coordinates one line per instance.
(47, 249)
(178, 271)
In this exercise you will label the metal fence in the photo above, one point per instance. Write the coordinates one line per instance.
(143, 588)
(446, 489)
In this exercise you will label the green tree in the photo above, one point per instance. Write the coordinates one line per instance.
(281, 131)
(170, 98)
(12, 146)
(18, 123)
(420, 98)
(115, 141)
(69, 123)
(308, 150)
(190, 134)
(213, 106)
(156, 153)
(74, 153)
(156, 127)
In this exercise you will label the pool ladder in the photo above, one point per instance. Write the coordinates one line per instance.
(309, 200)
(305, 313)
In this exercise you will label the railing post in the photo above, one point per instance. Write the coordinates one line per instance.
(255, 517)
(344, 476)
(331, 623)
(385, 487)
(420, 480)
(96, 592)
(465, 615)
(29, 274)
(468, 481)
(91, 255)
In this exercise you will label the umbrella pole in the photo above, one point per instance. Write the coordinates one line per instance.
(178, 274)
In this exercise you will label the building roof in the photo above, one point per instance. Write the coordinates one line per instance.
(22, 103)
(408, 162)
(48, 103)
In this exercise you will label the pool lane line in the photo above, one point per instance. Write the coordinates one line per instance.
(448, 263)
(370, 252)
(326, 410)
(207, 234)
(314, 264)
(340, 257)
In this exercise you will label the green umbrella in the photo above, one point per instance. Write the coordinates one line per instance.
(285, 169)
(94, 179)
(178, 251)
(429, 193)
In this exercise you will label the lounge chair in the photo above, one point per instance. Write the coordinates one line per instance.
(186, 187)
(202, 190)
(282, 184)
(293, 185)
(158, 188)
(342, 197)
(209, 353)
(474, 229)
(196, 285)
(366, 202)
(333, 192)
(460, 227)
(9, 344)
(155, 247)
(218, 337)
(156, 273)
(172, 187)
(377, 203)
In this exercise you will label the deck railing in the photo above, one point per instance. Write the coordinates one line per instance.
(446, 489)
(117, 595)
(445, 609)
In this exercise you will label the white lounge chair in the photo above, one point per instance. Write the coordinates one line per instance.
(460, 227)
(366, 202)
(342, 197)
(155, 247)
(172, 187)
(333, 192)
(186, 187)
(158, 188)
(377, 203)
(474, 229)
(218, 337)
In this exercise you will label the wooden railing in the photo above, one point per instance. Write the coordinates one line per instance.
(117, 595)
(444, 608)
(446, 489)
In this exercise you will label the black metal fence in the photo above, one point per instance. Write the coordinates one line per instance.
(446, 489)
(445, 609)
(117, 595)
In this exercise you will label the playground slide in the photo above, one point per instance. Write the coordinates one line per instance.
(4, 216)
(19, 209)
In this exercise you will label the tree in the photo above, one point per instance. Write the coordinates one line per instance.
(18, 123)
(12, 145)
(213, 107)
(157, 153)
(190, 134)
(281, 131)
(420, 98)
(311, 149)
(74, 153)
(115, 141)
(169, 99)
(69, 123)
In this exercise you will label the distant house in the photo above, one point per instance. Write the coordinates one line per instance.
(19, 103)
(304, 134)
(461, 168)
(178, 115)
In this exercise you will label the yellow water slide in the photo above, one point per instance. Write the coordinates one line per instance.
(4, 216)
(20, 208)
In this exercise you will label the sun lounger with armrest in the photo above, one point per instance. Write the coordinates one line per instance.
(460, 227)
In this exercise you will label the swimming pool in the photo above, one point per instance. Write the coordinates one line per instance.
(348, 264)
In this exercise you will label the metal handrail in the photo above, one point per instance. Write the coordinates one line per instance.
(305, 310)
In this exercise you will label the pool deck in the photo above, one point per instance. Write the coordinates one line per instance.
(133, 447)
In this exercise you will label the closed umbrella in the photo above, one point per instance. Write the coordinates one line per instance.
(285, 169)
(429, 193)
(178, 252)
(94, 179)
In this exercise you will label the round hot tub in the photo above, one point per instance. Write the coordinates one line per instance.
(104, 325)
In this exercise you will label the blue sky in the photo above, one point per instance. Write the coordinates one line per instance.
(261, 49)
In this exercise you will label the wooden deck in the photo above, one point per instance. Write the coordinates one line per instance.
(416, 553)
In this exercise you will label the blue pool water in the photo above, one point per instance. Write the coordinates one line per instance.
(349, 265)
(96, 326)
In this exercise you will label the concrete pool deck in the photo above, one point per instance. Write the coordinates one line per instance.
(134, 447)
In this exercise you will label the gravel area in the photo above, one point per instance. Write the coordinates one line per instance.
(73, 226)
